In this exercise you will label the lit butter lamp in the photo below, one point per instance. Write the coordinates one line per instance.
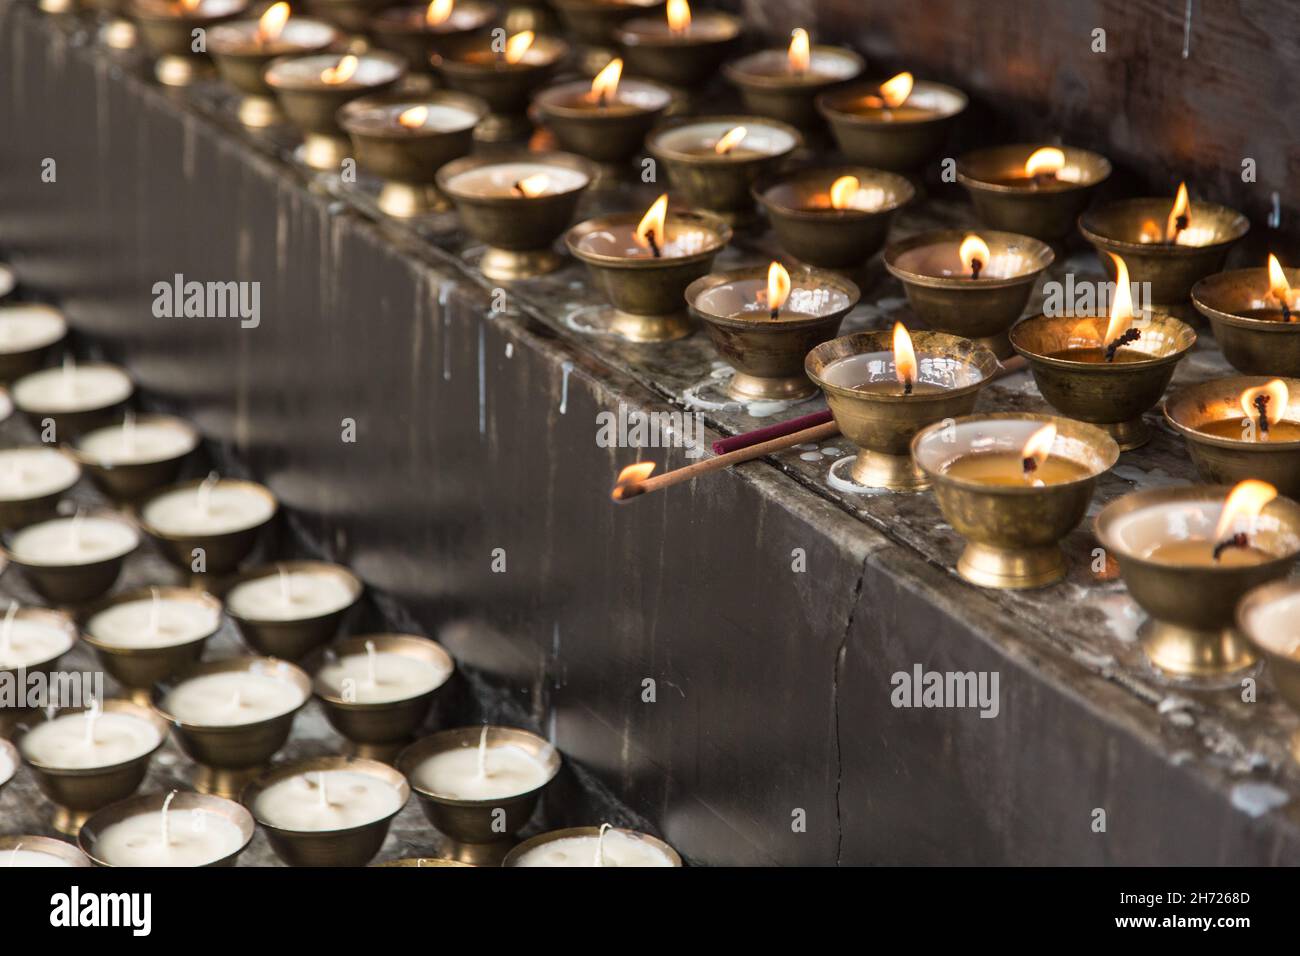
(884, 387)
(714, 161)
(505, 77)
(644, 263)
(1108, 372)
(172, 829)
(1187, 555)
(115, 30)
(679, 48)
(166, 28)
(310, 90)
(1013, 486)
(833, 218)
(1255, 314)
(405, 141)
(518, 206)
(1038, 191)
(975, 285)
(592, 24)
(1269, 617)
(1169, 245)
(1241, 427)
(763, 322)
(784, 84)
(605, 120)
(900, 124)
(421, 32)
(351, 16)
(243, 48)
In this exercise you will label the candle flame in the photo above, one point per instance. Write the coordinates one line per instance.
(1039, 447)
(1049, 159)
(904, 357)
(439, 11)
(974, 254)
(843, 191)
(679, 16)
(1276, 396)
(1121, 306)
(778, 287)
(605, 86)
(271, 23)
(1278, 287)
(896, 90)
(800, 52)
(533, 185)
(650, 231)
(1180, 216)
(730, 140)
(341, 72)
(625, 486)
(518, 45)
(190, 5)
(413, 118)
(1243, 505)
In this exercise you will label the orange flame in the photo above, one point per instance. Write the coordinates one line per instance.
(1182, 210)
(1039, 446)
(730, 140)
(1048, 160)
(1278, 287)
(1243, 505)
(625, 486)
(605, 85)
(905, 367)
(974, 254)
(650, 231)
(778, 287)
(1278, 397)
(413, 118)
(1121, 307)
(341, 72)
(533, 185)
(518, 45)
(439, 11)
(271, 23)
(190, 5)
(800, 52)
(679, 16)
(843, 191)
(896, 90)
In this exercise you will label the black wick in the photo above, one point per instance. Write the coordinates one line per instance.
(1179, 225)
(1029, 465)
(1130, 335)
(1261, 406)
(1238, 540)
(654, 244)
(975, 267)
(907, 386)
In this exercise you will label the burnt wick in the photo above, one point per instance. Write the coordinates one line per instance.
(907, 386)
(975, 267)
(1028, 466)
(654, 244)
(1130, 335)
(1261, 406)
(1238, 540)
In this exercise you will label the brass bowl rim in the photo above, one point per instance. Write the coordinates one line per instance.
(112, 705)
(416, 752)
(646, 6)
(1260, 594)
(175, 592)
(626, 36)
(464, 164)
(388, 21)
(758, 323)
(54, 412)
(1088, 219)
(429, 649)
(363, 765)
(720, 230)
(153, 12)
(292, 674)
(1210, 494)
(184, 800)
(971, 180)
(669, 155)
(1189, 394)
(980, 358)
(419, 862)
(63, 450)
(241, 52)
(346, 114)
(6, 303)
(55, 618)
(73, 448)
(1214, 313)
(901, 186)
(618, 111)
(734, 70)
(1046, 256)
(1184, 332)
(43, 844)
(551, 836)
(137, 510)
(469, 70)
(107, 514)
(1095, 436)
(270, 569)
(826, 105)
(298, 86)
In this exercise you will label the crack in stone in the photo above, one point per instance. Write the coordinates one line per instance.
(840, 654)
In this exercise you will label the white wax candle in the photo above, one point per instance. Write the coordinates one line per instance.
(82, 539)
(499, 179)
(326, 800)
(231, 698)
(290, 596)
(380, 678)
(149, 622)
(18, 857)
(89, 739)
(616, 849)
(227, 507)
(72, 388)
(1276, 624)
(27, 473)
(137, 443)
(25, 326)
(7, 768)
(194, 838)
(24, 642)
(509, 770)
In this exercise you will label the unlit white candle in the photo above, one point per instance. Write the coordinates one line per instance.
(219, 508)
(194, 838)
(291, 595)
(396, 676)
(612, 848)
(137, 443)
(326, 800)
(25, 326)
(18, 857)
(231, 698)
(27, 473)
(89, 739)
(509, 771)
(73, 388)
(81, 539)
(7, 768)
(149, 622)
(24, 642)
(1276, 624)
